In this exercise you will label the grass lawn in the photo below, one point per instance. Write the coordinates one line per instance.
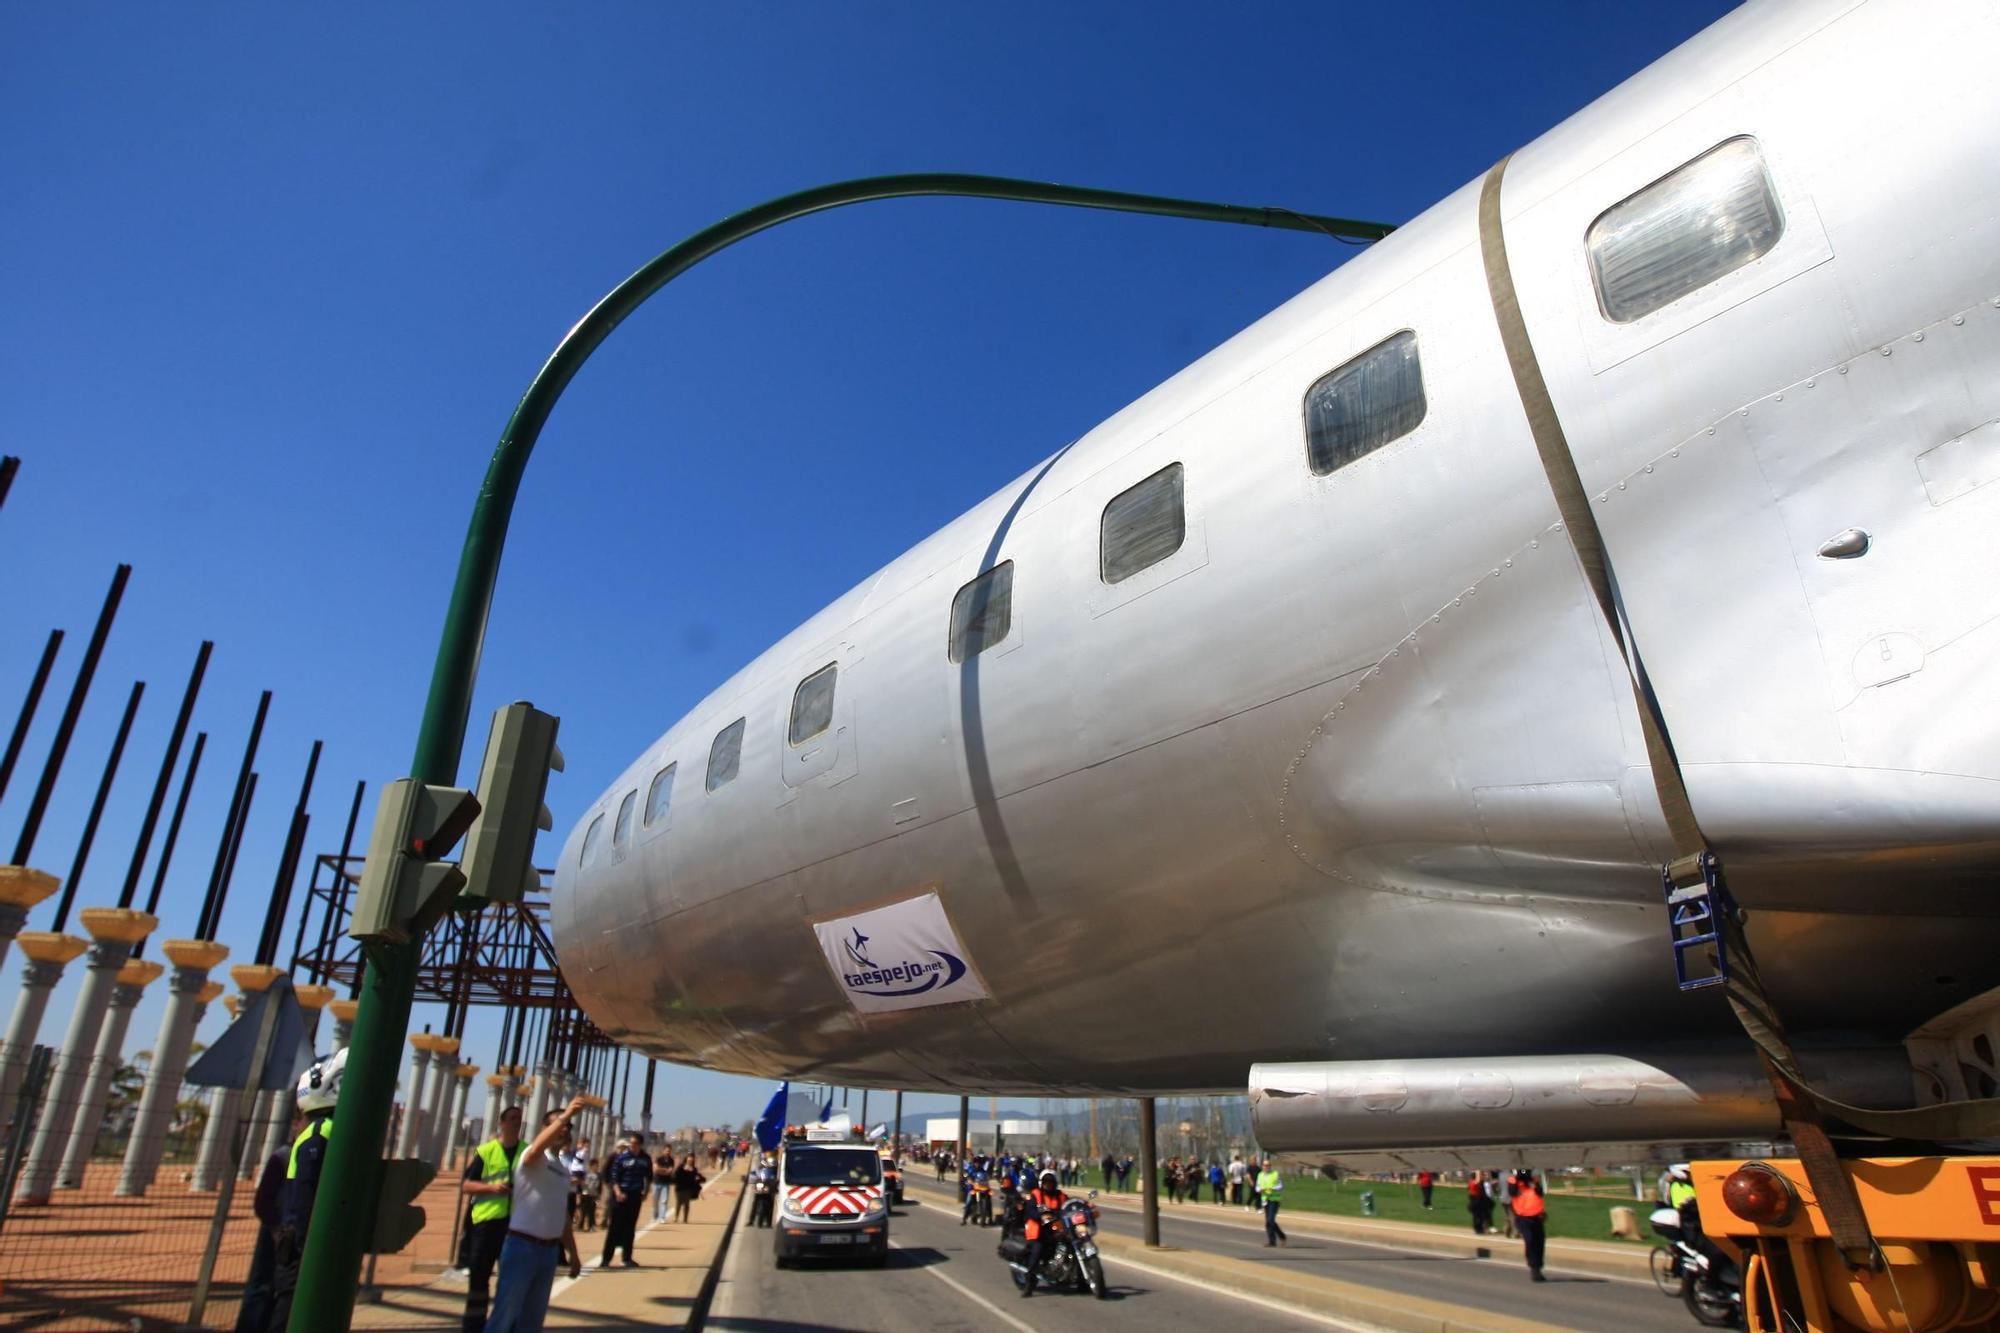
(1575, 1216)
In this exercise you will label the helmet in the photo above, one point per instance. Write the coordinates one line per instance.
(319, 1087)
(1048, 1180)
(1680, 1171)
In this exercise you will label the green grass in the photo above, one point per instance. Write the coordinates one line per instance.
(1573, 1216)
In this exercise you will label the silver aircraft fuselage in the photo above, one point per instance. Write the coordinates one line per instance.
(1355, 773)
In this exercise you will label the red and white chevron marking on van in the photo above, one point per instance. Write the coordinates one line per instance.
(832, 1200)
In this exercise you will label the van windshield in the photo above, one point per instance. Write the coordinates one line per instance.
(831, 1166)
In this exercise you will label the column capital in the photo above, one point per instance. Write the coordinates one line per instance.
(208, 993)
(313, 997)
(344, 1010)
(203, 954)
(466, 1072)
(254, 977)
(23, 887)
(233, 1003)
(140, 973)
(46, 946)
(430, 1043)
(123, 925)
(497, 1080)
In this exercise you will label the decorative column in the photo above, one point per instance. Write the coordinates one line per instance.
(188, 995)
(133, 978)
(278, 1104)
(20, 889)
(113, 932)
(421, 1046)
(343, 1021)
(538, 1101)
(444, 1090)
(229, 1104)
(495, 1098)
(456, 1123)
(48, 954)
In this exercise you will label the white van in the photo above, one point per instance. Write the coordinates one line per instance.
(830, 1201)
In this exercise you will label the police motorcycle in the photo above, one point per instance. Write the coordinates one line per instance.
(1070, 1260)
(1710, 1285)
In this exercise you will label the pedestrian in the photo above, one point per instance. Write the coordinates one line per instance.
(538, 1230)
(1531, 1219)
(1503, 1202)
(763, 1190)
(663, 1177)
(593, 1185)
(687, 1187)
(1239, 1175)
(254, 1315)
(489, 1183)
(1271, 1188)
(1426, 1182)
(630, 1174)
(1125, 1174)
(1215, 1178)
(318, 1092)
(1109, 1168)
(1479, 1203)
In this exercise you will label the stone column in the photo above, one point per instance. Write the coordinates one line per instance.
(496, 1085)
(421, 1046)
(343, 1021)
(455, 1132)
(188, 996)
(229, 1104)
(20, 889)
(538, 1101)
(113, 932)
(47, 954)
(275, 1115)
(133, 978)
(437, 1107)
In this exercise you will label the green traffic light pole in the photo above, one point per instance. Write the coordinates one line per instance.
(350, 1182)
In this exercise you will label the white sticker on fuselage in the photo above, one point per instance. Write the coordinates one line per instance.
(903, 956)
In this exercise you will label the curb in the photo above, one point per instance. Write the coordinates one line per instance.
(698, 1312)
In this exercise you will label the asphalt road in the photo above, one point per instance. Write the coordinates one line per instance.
(942, 1277)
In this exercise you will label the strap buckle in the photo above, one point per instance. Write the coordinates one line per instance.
(1697, 901)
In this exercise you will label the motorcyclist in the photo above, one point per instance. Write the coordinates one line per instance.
(1044, 1212)
(764, 1190)
(977, 1194)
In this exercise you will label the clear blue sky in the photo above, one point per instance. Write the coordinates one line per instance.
(274, 276)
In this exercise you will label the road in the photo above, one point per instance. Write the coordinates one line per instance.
(942, 1276)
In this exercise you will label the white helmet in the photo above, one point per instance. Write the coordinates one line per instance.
(319, 1087)
(1680, 1171)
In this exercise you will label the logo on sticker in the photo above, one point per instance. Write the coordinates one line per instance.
(903, 956)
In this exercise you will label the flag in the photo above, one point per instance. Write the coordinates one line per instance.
(880, 1132)
(826, 1109)
(771, 1125)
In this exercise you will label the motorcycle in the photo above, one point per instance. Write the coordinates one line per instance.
(1070, 1260)
(1709, 1284)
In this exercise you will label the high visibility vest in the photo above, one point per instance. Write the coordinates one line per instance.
(1679, 1194)
(1528, 1203)
(317, 1127)
(1038, 1200)
(496, 1167)
(1270, 1184)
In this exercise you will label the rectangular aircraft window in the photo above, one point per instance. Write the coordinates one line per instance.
(1715, 214)
(725, 755)
(660, 795)
(983, 612)
(812, 705)
(621, 832)
(1142, 526)
(1373, 399)
(591, 837)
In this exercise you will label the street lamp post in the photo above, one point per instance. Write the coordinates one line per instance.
(349, 1184)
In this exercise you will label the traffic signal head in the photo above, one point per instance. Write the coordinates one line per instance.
(398, 1219)
(405, 883)
(521, 749)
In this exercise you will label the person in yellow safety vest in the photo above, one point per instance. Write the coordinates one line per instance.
(318, 1091)
(489, 1183)
(1271, 1189)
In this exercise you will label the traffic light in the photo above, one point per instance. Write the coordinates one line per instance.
(521, 749)
(406, 884)
(397, 1217)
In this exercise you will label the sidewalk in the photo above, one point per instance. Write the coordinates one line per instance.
(676, 1261)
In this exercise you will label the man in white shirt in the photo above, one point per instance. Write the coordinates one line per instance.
(538, 1229)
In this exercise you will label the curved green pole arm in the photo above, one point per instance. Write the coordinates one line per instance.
(348, 1190)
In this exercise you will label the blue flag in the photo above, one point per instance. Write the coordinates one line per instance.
(826, 1111)
(771, 1126)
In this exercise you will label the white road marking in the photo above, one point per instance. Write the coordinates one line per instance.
(975, 1297)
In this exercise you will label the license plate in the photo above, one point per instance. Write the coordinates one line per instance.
(837, 1238)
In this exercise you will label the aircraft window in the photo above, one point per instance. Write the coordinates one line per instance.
(725, 755)
(1715, 214)
(983, 612)
(1373, 399)
(1142, 526)
(621, 832)
(591, 837)
(812, 705)
(660, 795)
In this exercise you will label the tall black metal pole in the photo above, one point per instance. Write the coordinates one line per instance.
(166, 778)
(288, 864)
(229, 862)
(173, 832)
(25, 847)
(336, 897)
(211, 908)
(646, 1102)
(90, 824)
(19, 737)
(8, 467)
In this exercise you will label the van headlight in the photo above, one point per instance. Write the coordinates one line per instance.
(877, 1204)
(791, 1209)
